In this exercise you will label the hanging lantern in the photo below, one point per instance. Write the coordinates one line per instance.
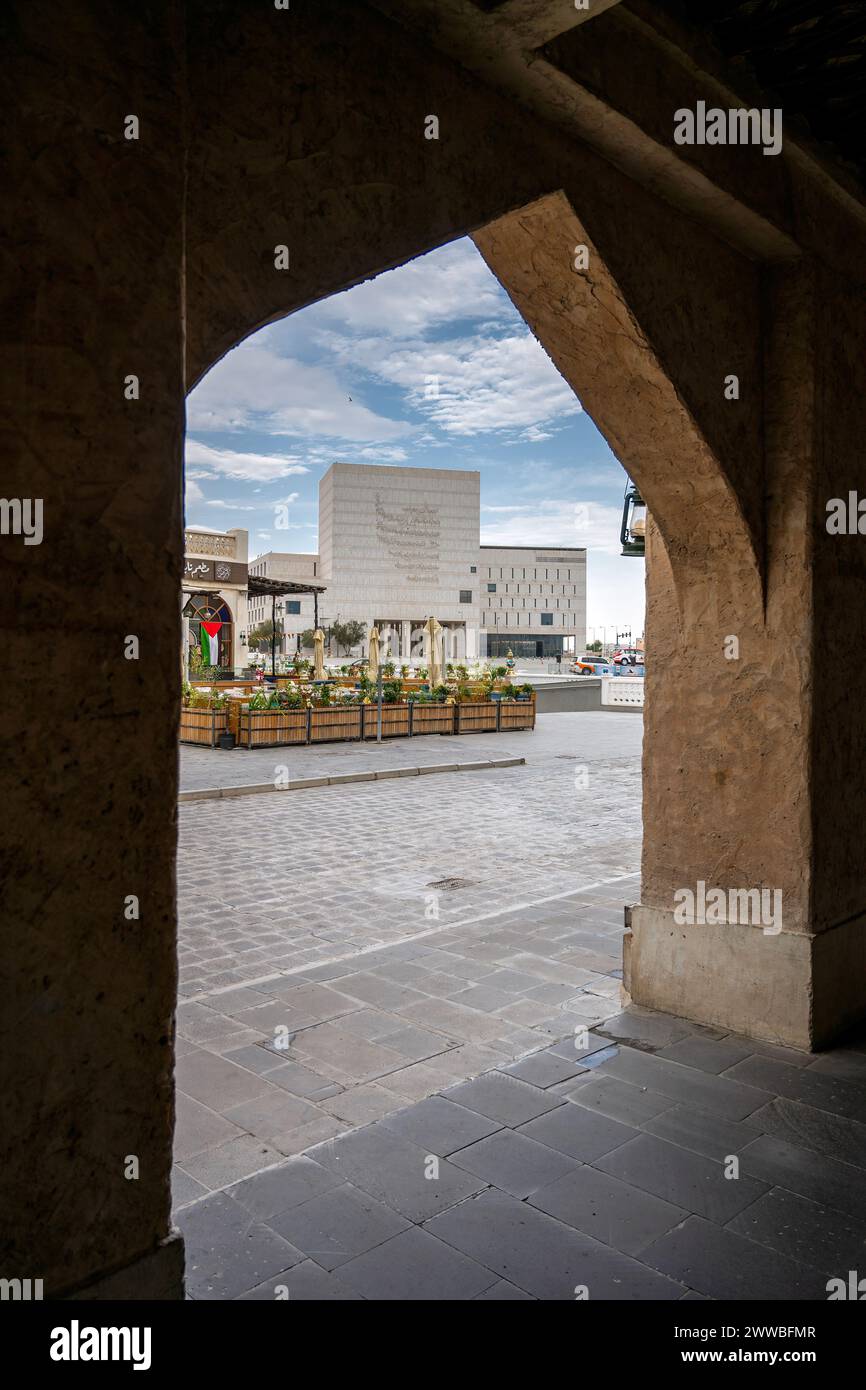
(633, 532)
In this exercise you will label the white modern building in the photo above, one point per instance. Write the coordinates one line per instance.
(397, 545)
(533, 600)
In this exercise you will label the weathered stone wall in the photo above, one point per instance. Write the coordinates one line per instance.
(92, 262)
(305, 128)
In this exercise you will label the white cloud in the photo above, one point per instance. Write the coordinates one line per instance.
(450, 283)
(554, 522)
(232, 463)
(230, 506)
(471, 385)
(253, 388)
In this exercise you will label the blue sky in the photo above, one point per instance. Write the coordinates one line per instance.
(429, 366)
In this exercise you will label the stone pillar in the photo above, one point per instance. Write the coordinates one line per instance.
(92, 411)
(754, 752)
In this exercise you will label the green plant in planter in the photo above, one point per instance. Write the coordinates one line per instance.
(439, 692)
(464, 693)
(404, 671)
(525, 689)
(392, 692)
(258, 700)
(388, 670)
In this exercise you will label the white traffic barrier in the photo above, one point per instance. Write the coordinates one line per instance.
(619, 692)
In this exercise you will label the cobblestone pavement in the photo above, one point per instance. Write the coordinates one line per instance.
(384, 1094)
(347, 949)
(597, 1168)
(597, 735)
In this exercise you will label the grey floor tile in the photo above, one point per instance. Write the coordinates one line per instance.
(721, 1095)
(542, 1256)
(809, 1128)
(214, 1082)
(257, 1059)
(544, 1069)
(503, 1292)
(301, 1081)
(812, 1175)
(394, 1171)
(721, 1264)
(440, 1126)
(804, 1231)
(619, 1100)
(185, 1189)
(303, 1283)
(416, 1266)
(702, 1132)
(197, 1128)
(707, 1054)
(579, 1133)
(229, 1162)
(839, 1096)
(295, 1181)
(272, 1113)
(683, 1178)
(649, 1031)
(503, 1098)
(338, 1225)
(514, 1163)
(611, 1211)
(843, 1063)
(227, 1252)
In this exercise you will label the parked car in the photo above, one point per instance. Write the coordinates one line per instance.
(590, 665)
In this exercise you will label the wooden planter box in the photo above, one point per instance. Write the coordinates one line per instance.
(433, 719)
(517, 714)
(329, 724)
(395, 721)
(202, 726)
(268, 728)
(478, 718)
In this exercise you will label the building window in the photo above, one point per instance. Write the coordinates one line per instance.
(465, 595)
(547, 620)
(473, 569)
(491, 588)
(293, 605)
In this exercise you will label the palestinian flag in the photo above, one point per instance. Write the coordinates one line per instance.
(210, 643)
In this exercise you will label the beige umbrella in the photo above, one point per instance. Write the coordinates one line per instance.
(433, 628)
(373, 654)
(319, 655)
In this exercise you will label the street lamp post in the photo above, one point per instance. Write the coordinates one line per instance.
(276, 608)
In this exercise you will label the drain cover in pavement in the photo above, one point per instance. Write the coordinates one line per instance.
(445, 883)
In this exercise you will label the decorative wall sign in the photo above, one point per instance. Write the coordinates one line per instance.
(411, 536)
(214, 571)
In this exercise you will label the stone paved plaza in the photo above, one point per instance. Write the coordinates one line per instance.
(403, 1070)
(326, 979)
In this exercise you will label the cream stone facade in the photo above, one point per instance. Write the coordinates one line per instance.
(400, 544)
(215, 566)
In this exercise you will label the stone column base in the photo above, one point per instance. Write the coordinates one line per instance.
(798, 990)
(156, 1275)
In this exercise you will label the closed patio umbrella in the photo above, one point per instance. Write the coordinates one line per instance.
(433, 628)
(319, 655)
(373, 654)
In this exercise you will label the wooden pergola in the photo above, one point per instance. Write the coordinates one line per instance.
(258, 587)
